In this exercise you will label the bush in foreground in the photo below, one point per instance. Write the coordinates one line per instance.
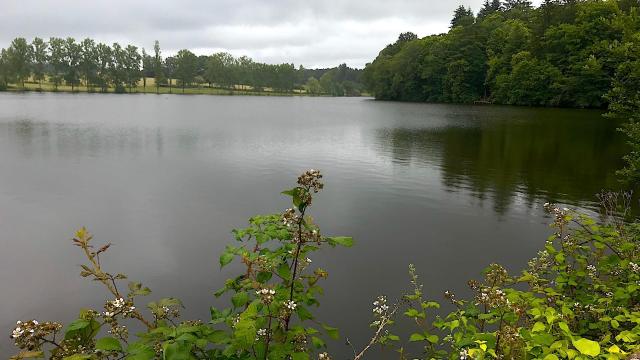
(578, 299)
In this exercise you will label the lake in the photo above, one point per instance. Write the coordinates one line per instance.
(166, 178)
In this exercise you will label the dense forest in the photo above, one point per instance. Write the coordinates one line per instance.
(562, 53)
(100, 67)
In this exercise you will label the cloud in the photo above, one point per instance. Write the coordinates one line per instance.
(318, 33)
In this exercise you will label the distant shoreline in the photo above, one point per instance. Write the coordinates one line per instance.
(163, 90)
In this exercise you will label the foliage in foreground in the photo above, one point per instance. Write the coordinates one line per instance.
(578, 299)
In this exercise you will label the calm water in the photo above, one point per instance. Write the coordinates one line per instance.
(165, 178)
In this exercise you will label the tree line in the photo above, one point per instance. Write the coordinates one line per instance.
(562, 53)
(101, 67)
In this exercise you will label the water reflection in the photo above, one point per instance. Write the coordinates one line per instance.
(556, 158)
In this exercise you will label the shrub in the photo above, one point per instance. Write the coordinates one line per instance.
(578, 299)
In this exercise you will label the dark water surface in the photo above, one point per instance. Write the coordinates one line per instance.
(166, 178)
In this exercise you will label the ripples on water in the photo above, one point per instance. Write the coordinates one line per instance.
(165, 178)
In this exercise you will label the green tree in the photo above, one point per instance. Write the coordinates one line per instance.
(170, 65)
(132, 66)
(489, 7)
(158, 69)
(104, 64)
(89, 62)
(186, 66)
(118, 68)
(56, 60)
(624, 100)
(6, 73)
(147, 68)
(40, 59)
(72, 59)
(19, 56)
(313, 86)
(462, 17)
(531, 82)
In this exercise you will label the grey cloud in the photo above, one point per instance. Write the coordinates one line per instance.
(312, 33)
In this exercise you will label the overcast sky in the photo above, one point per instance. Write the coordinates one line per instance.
(319, 33)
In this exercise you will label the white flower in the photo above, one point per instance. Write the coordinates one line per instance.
(308, 261)
(118, 303)
(464, 354)
(262, 332)
(17, 332)
(634, 267)
(324, 356)
(291, 305)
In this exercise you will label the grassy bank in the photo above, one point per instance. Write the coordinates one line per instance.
(48, 87)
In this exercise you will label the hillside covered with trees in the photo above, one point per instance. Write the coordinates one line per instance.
(100, 67)
(562, 53)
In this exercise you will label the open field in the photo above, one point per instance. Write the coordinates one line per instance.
(150, 89)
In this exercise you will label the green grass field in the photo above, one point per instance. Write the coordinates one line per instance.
(151, 89)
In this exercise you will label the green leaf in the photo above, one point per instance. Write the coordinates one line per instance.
(300, 356)
(245, 330)
(108, 344)
(226, 257)
(264, 276)
(28, 355)
(331, 331)
(615, 324)
(317, 342)
(140, 351)
(345, 241)
(416, 337)
(176, 351)
(303, 313)
(218, 337)
(284, 271)
(239, 299)
(564, 327)
(432, 339)
(538, 326)
(78, 324)
(550, 357)
(136, 289)
(77, 357)
(587, 347)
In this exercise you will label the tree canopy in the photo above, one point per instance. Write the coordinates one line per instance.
(563, 53)
(121, 67)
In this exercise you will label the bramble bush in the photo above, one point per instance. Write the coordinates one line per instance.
(578, 299)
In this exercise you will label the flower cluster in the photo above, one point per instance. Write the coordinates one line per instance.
(324, 356)
(464, 354)
(560, 215)
(492, 297)
(311, 180)
(289, 217)
(634, 267)
(261, 333)
(266, 295)
(541, 262)
(30, 334)
(380, 306)
(117, 307)
(496, 275)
